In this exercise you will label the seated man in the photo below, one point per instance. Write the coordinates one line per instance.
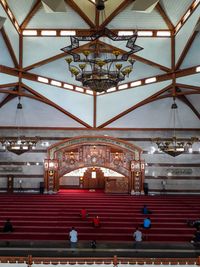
(96, 221)
(147, 223)
(196, 238)
(8, 226)
(83, 214)
(195, 223)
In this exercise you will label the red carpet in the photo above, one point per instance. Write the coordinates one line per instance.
(50, 217)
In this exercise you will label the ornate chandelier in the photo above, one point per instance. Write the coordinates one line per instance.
(19, 144)
(174, 146)
(100, 66)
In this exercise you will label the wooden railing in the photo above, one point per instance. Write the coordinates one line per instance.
(116, 261)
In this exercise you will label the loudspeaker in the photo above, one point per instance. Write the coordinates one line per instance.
(41, 187)
(146, 188)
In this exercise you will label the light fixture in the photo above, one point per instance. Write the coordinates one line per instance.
(175, 146)
(100, 66)
(19, 144)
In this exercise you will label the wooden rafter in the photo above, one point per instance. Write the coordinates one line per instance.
(8, 85)
(32, 12)
(77, 9)
(119, 9)
(165, 17)
(187, 86)
(10, 48)
(184, 99)
(97, 18)
(143, 102)
(51, 103)
(186, 49)
(10, 15)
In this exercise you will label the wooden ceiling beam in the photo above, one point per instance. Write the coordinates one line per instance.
(165, 17)
(187, 86)
(51, 103)
(185, 50)
(31, 14)
(8, 85)
(119, 9)
(79, 11)
(141, 103)
(10, 48)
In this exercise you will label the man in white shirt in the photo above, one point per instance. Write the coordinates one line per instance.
(73, 237)
(137, 235)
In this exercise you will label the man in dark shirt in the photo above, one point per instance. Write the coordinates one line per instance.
(8, 226)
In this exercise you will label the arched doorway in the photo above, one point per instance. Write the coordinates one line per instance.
(94, 151)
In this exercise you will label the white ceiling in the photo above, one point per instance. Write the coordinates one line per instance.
(51, 106)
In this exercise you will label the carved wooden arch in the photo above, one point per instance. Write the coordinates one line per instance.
(86, 149)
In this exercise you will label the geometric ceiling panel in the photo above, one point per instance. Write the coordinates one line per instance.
(190, 79)
(57, 70)
(138, 20)
(69, 19)
(20, 8)
(82, 106)
(147, 116)
(5, 58)
(152, 46)
(11, 32)
(34, 114)
(193, 56)
(175, 9)
(110, 105)
(185, 32)
(40, 48)
(5, 78)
